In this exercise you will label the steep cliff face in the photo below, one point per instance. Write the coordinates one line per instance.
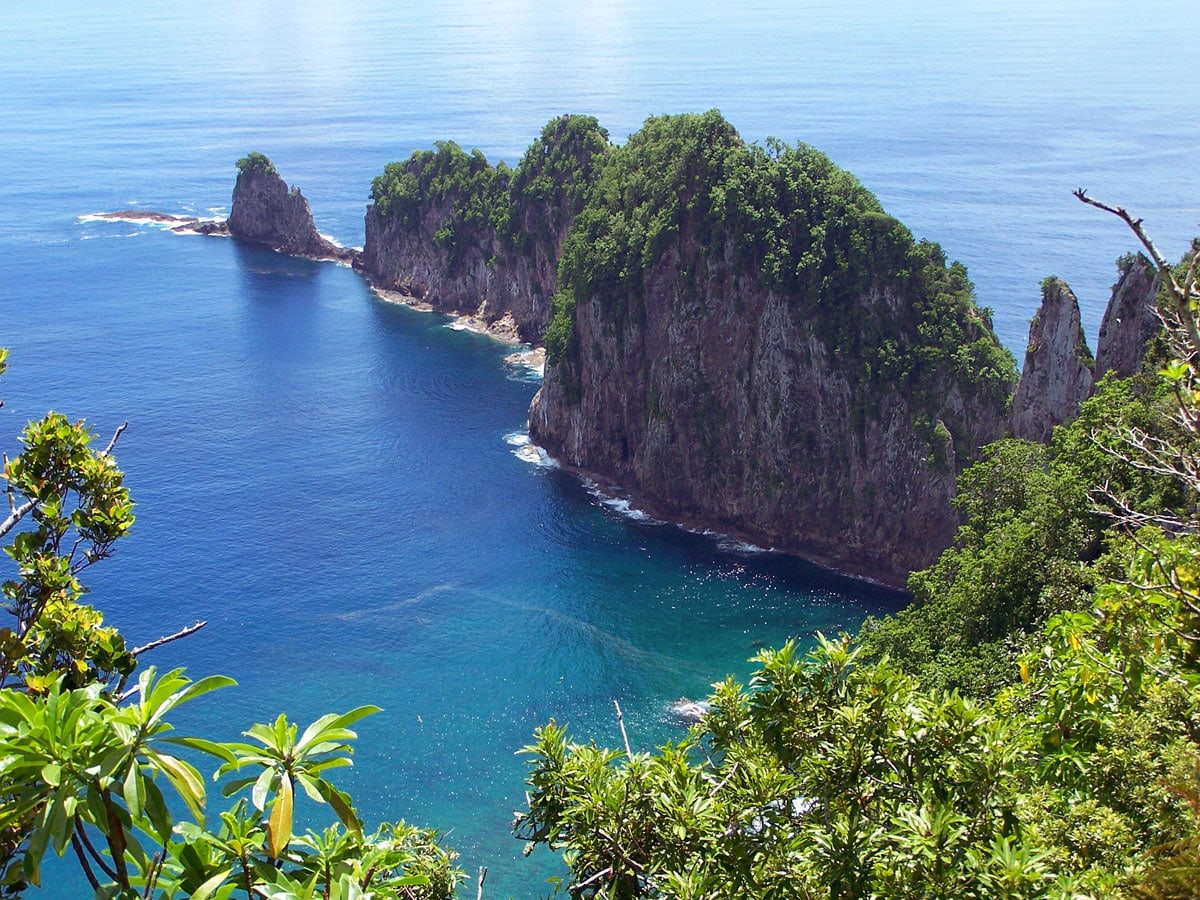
(1130, 319)
(266, 212)
(743, 338)
(1057, 375)
(466, 237)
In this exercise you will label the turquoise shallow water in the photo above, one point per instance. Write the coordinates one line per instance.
(329, 479)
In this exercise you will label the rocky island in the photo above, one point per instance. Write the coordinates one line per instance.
(737, 336)
(265, 211)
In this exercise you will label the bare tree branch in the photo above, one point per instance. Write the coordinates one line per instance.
(1181, 294)
(621, 722)
(16, 516)
(153, 645)
(116, 437)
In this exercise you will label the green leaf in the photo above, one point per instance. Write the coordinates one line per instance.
(212, 748)
(340, 803)
(262, 787)
(279, 827)
(205, 890)
(134, 791)
(184, 778)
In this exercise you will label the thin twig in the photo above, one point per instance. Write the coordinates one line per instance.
(592, 879)
(482, 876)
(17, 515)
(1181, 294)
(153, 645)
(621, 722)
(116, 436)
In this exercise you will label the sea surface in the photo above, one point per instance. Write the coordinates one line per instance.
(333, 482)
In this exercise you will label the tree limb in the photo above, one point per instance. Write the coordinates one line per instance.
(16, 516)
(116, 436)
(1181, 294)
(621, 722)
(181, 633)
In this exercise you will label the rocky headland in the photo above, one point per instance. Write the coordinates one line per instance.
(472, 239)
(743, 337)
(738, 337)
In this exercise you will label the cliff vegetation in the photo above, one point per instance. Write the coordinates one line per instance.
(453, 230)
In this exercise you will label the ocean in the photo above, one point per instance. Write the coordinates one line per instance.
(335, 483)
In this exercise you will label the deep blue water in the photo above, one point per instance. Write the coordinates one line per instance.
(327, 479)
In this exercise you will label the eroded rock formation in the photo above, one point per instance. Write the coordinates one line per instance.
(449, 229)
(265, 211)
(792, 368)
(1057, 375)
(1130, 319)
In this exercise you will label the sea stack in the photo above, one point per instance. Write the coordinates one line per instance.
(1057, 375)
(1130, 319)
(266, 212)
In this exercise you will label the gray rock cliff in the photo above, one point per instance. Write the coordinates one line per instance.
(266, 212)
(449, 229)
(1057, 375)
(1130, 319)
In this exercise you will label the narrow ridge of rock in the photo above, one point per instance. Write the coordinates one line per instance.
(1057, 375)
(1130, 319)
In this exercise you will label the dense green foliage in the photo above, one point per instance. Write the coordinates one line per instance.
(255, 163)
(91, 768)
(1064, 763)
(1033, 541)
(554, 177)
(466, 192)
(689, 187)
(476, 207)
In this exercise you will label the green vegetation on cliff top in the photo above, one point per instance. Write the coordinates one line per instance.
(792, 222)
(470, 203)
(255, 163)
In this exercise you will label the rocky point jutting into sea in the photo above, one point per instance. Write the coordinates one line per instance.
(738, 336)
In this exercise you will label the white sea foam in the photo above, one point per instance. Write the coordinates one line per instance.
(532, 361)
(143, 220)
(622, 506)
(527, 451)
(689, 710)
(733, 545)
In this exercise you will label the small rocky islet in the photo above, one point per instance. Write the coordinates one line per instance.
(738, 336)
